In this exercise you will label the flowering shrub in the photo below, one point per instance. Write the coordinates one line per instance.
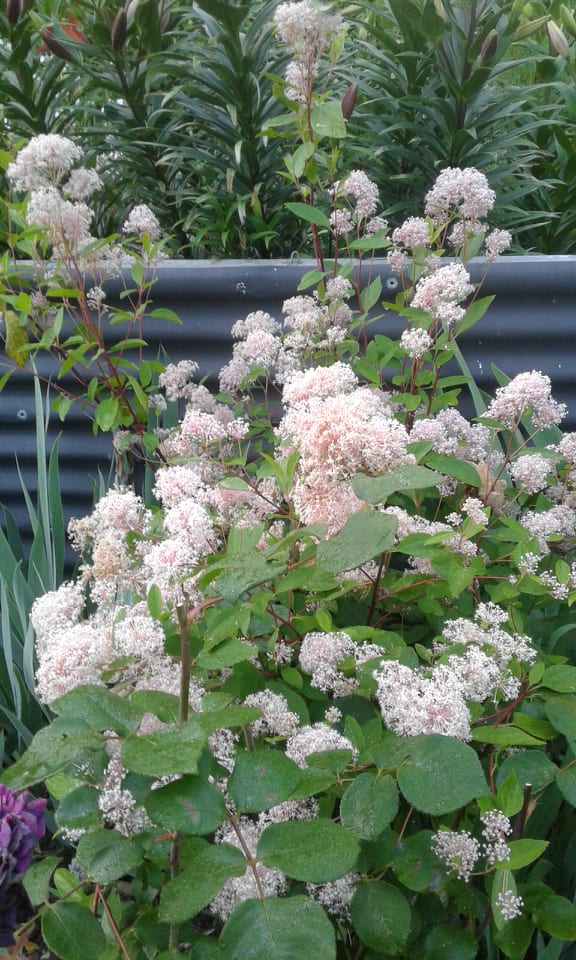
(315, 697)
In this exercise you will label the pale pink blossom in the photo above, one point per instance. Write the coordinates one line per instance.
(43, 161)
(141, 220)
(526, 394)
(441, 293)
(462, 192)
(414, 232)
(364, 191)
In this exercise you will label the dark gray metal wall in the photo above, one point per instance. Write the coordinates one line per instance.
(531, 325)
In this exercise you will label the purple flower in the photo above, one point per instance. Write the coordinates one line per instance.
(21, 825)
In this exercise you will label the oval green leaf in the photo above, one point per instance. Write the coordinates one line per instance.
(316, 851)
(440, 775)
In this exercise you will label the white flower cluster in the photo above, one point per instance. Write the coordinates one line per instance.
(441, 293)
(475, 664)
(306, 30)
(460, 851)
(337, 436)
(322, 653)
(46, 169)
(527, 393)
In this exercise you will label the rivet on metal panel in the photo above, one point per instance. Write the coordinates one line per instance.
(392, 283)
(241, 288)
(22, 414)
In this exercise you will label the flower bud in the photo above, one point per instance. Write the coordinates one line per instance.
(118, 32)
(568, 19)
(558, 40)
(489, 47)
(527, 29)
(13, 11)
(55, 47)
(349, 100)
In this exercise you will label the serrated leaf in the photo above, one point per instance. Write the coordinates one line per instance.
(226, 654)
(369, 805)
(440, 774)
(261, 779)
(316, 851)
(415, 864)
(364, 536)
(106, 855)
(189, 806)
(79, 809)
(37, 879)
(561, 712)
(381, 917)
(561, 677)
(98, 707)
(164, 752)
(71, 931)
(278, 929)
(556, 916)
(205, 868)
(444, 942)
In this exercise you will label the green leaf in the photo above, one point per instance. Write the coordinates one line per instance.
(378, 489)
(106, 855)
(510, 795)
(315, 851)
(189, 806)
(560, 677)
(530, 766)
(154, 601)
(37, 879)
(165, 706)
(381, 917)
(561, 712)
(305, 212)
(522, 852)
(300, 157)
(51, 751)
(261, 779)
(106, 413)
(278, 929)
(327, 119)
(450, 943)
(514, 937)
(369, 805)
(98, 707)
(556, 916)
(371, 294)
(79, 809)
(364, 535)
(506, 735)
(164, 752)
(71, 931)
(440, 774)
(205, 868)
(415, 863)
(454, 467)
(566, 782)
(226, 654)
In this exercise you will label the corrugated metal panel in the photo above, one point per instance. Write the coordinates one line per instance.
(530, 325)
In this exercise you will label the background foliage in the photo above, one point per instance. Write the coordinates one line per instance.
(172, 100)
